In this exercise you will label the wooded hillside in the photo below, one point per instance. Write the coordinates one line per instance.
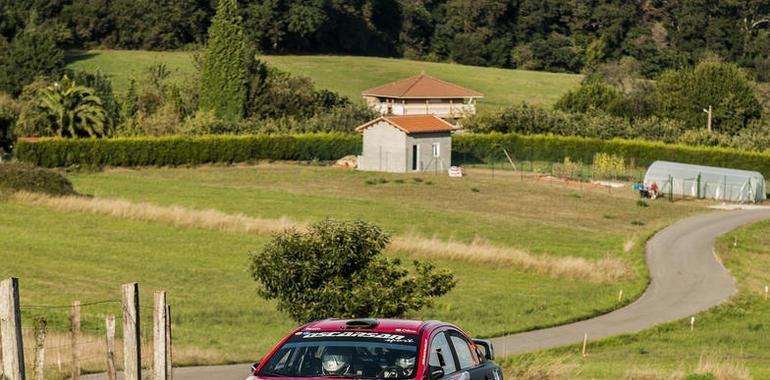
(552, 35)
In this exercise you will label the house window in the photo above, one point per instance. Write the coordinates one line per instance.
(436, 149)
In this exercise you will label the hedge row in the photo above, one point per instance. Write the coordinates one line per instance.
(469, 148)
(466, 148)
(178, 150)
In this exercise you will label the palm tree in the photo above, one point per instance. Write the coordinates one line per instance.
(71, 110)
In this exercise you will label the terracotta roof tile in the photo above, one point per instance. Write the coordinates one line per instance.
(422, 86)
(413, 123)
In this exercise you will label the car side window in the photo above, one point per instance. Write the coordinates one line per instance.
(465, 354)
(441, 354)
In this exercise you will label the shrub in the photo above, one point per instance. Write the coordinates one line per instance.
(17, 176)
(336, 269)
(608, 165)
(567, 169)
(475, 148)
(589, 96)
(180, 150)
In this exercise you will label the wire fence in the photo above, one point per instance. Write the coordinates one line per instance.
(89, 341)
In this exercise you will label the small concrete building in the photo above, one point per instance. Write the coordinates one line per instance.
(422, 95)
(403, 144)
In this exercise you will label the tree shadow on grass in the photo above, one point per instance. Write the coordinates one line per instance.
(77, 55)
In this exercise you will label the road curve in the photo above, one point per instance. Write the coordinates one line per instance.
(685, 278)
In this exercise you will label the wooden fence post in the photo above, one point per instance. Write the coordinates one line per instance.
(10, 331)
(160, 340)
(110, 328)
(75, 339)
(40, 332)
(169, 346)
(132, 348)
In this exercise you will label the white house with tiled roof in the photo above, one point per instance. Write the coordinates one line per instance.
(403, 144)
(422, 95)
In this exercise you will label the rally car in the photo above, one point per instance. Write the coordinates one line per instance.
(379, 349)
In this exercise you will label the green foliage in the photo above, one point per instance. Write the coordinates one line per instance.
(177, 150)
(554, 35)
(567, 169)
(31, 54)
(683, 94)
(102, 86)
(526, 119)
(605, 165)
(470, 148)
(336, 269)
(224, 80)
(9, 112)
(276, 94)
(16, 176)
(66, 109)
(589, 97)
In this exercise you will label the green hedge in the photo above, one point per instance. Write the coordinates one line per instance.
(466, 148)
(470, 148)
(177, 150)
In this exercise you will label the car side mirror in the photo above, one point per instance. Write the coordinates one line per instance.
(489, 351)
(436, 373)
(254, 366)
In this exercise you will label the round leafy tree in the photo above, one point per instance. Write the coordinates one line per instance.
(336, 269)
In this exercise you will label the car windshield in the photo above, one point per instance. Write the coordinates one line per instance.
(345, 354)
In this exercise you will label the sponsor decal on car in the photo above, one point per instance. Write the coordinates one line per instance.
(390, 338)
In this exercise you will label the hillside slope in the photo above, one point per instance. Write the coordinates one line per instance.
(349, 75)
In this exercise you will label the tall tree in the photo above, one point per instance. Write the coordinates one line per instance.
(223, 87)
(31, 54)
(683, 94)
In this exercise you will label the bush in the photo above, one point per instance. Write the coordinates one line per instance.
(608, 166)
(180, 150)
(589, 96)
(17, 176)
(336, 269)
(526, 119)
(475, 148)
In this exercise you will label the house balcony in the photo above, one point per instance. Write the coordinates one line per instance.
(445, 110)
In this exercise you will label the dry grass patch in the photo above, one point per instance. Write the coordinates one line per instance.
(93, 354)
(542, 369)
(651, 374)
(722, 368)
(607, 269)
(146, 212)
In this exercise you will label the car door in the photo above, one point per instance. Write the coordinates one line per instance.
(469, 360)
(441, 354)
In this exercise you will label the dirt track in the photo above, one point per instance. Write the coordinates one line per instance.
(686, 278)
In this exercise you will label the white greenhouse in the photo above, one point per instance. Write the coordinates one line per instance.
(706, 182)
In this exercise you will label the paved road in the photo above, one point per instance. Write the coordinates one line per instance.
(686, 278)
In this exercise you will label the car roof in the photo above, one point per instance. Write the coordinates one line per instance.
(381, 325)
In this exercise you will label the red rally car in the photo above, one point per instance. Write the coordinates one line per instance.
(379, 349)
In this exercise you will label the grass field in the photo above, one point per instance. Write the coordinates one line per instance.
(62, 256)
(350, 75)
(733, 338)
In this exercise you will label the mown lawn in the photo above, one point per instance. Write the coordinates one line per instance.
(349, 75)
(735, 335)
(61, 256)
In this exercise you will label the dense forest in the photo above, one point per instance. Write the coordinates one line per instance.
(552, 35)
